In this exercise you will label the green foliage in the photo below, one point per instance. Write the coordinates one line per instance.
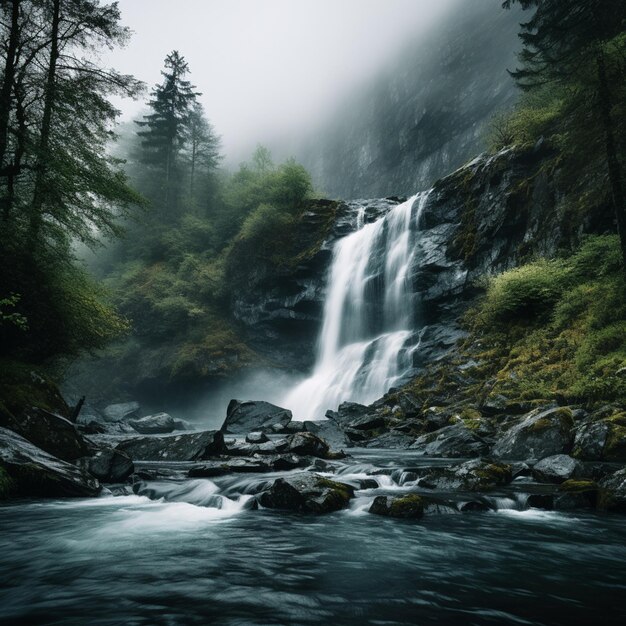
(8, 315)
(557, 328)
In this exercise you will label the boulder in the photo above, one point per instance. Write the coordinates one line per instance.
(576, 494)
(121, 411)
(454, 441)
(474, 475)
(392, 439)
(330, 432)
(366, 422)
(109, 465)
(36, 473)
(246, 465)
(307, 444)
(347, 412)
(258, 437)
(306, 492)
(246, 417)
(612, 494)
(602, 440)
(183, 447)
(557, 469)
(410, 506)
(50, 432)
(157, 424)
(539, 434)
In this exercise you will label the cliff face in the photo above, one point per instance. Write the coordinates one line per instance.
(488, 216)
(427, 115)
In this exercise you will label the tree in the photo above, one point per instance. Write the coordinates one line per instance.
(167, 127)
(579, 46)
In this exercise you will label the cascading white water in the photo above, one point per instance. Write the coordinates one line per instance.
(369, 315)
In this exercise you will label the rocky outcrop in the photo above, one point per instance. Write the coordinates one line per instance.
(246, 417)
(557, 469)
(474, 475)
(451, 441)
(33, 472)
(308, 493)
(184, 447)
(109, 465)
(159, 423)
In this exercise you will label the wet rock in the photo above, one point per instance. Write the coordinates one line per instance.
(184, 447)
(330, 432)
(50, 432)
(557, 469)
(410, 506)
(121, 411)
(540, 434)
(454, 441)
(602, 440)
(243, 465)
(392, 439)
(246, 417)
(367, 422)
(157, 424)
(347, 412)
(411, 427)
(109, 465)
(474, 475)
(258, 437)
(308, 444)
(306, 492)
(544, 501)
(495, 405)
(473, 506)
(36, 473)
(576, 494)
(612, 493)
(520, 469)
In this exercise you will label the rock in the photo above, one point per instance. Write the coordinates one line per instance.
(275, 463)
(330, 432)
(603, 440)
(495, 405)
(258, 437)
(557, 469)
(544, 501)
(50, 432)
(121, 411)
(393, 439)
(306, 492)
(520, 469)
(410, 506)
(474, 475)
(347, 412)
(109, 465)
(452, 441)
(36, 473)
(159, 423)
(540, 434)
(246, 417)
(307, 444)
(612, 494)
(183, 447)
(366, 422)
(576, 494)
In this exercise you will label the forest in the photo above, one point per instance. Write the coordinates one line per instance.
(189, 339)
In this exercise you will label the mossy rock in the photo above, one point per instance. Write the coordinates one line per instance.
(578, 486)
(410, 506)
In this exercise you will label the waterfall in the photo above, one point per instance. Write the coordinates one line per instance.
(368, 331)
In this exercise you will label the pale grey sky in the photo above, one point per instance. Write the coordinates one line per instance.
(268, 68)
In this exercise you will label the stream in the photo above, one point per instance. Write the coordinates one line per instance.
(193, 552)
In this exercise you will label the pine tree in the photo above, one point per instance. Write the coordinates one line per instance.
(167, 128)
(579, 46)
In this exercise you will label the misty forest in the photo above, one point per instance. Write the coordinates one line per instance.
(312, 312)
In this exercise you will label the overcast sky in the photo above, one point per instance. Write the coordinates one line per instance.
(268, 67)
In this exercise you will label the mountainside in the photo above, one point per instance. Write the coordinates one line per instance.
(426, 115)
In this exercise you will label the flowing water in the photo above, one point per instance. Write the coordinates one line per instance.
(369, 329)
(192, 552)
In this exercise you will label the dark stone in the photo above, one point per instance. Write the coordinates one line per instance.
(474, 475)
(347, 412)
(392, 439)
(183, 447)
(454, 441)
(50, 432)
(557, 469)
(306, 492)
(109, 465)
(543, 501)
(157, 424)
(473, 506)
(366, 422)
(37, 473)
(612, 494)
(410, 506)
(540, 434)
(258, 437)
(330, 432)
(246, 417)
(243, 465)
(122, 411)
(307, 444)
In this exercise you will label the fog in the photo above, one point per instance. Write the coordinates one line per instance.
(269, 69)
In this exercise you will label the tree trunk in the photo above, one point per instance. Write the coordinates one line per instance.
(6, 90)
(615, 172)
(46, 126)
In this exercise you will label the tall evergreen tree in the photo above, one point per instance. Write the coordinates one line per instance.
(166, 129)
(580, 46)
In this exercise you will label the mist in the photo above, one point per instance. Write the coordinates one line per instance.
(268, 71)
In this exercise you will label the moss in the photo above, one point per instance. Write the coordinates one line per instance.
(343, 491)
(615, 446)
(406, 505)
(493, 474)
(7, 486)
(578, 486)
(540, 425)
